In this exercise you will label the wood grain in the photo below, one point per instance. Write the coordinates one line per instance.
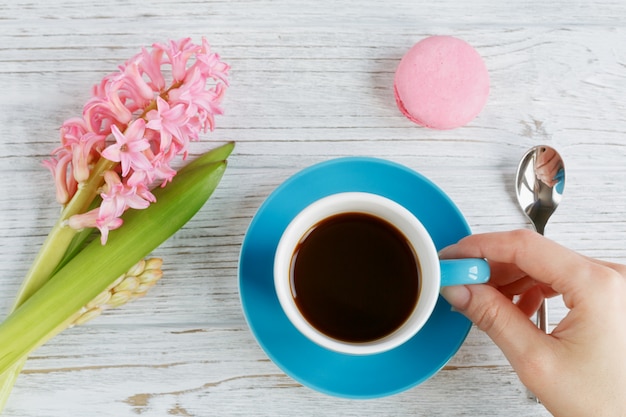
(310, 81)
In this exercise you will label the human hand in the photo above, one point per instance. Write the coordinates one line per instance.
(579, 369)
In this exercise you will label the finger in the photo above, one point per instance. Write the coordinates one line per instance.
(503, 274)
(530, 301)
(503, 321)
(617, 267)
(519, 286)
(547, 291)
(565, 271)
(525, 284)
(512, 281)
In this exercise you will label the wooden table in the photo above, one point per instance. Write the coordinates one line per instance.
(310, 81)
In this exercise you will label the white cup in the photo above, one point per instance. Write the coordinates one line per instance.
(466, 271)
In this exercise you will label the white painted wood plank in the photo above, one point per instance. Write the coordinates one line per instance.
(310, 81)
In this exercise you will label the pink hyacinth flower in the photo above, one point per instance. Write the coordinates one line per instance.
(129, 147)
(169, 121)
(137, 121)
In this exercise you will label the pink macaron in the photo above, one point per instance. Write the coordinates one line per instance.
(441, 83)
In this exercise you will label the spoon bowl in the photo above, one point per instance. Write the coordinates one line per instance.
(539, 184)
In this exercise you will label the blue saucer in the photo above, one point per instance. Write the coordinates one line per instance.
(315, 367)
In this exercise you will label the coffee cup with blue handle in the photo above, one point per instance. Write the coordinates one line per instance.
(358, 273)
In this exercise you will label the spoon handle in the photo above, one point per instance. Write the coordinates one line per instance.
(542, 315)
(542, 323)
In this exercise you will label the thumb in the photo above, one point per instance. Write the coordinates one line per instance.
(497, 316)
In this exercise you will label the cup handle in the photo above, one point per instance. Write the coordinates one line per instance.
(464, 271)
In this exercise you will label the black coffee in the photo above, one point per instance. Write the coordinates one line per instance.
(355, 277)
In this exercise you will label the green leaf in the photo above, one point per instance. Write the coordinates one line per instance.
(221, 153)
(97, 266)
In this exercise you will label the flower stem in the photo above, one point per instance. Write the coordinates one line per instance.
(47, 260)
(8, 378)
(60, 237)
(7, 381)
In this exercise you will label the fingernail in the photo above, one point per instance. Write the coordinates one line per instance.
(458, 296)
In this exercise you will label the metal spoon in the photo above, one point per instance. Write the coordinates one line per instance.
(539, 186)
